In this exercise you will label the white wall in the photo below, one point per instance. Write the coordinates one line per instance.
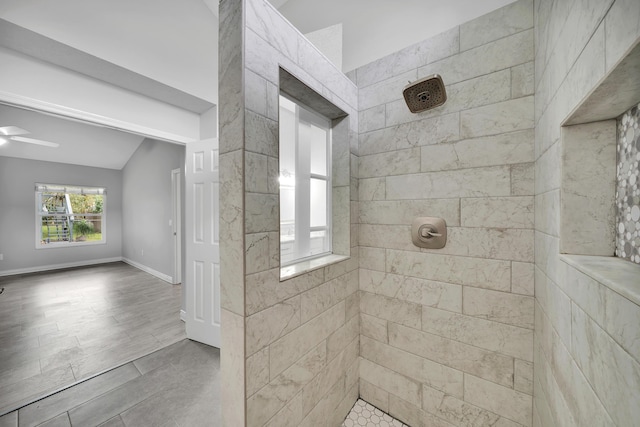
(376, 28)
(173, 42)
(38, 84)
(146, 200)
(17, 214)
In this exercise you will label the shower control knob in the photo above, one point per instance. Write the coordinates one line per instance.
(429, 232)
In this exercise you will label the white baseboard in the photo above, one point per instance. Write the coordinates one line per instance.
(183, 315)
(149, 270)
(59, 266)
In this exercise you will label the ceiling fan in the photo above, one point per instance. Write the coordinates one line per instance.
(12, 133)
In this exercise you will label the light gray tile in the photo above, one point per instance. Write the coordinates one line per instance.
(403, 212)
(482, 273)
(503, 307)
(9, 420)
(486, 364)
(284, 386)
(522, 278)
(507, 20)
(258, 252)
(55, 404)
(61, 420)
(522, 179)
(172, 405)
(587, 211)
(287, 350)
(425, 371)
(615, 375)
(371, 189)
(233, 380)
(255, 98)
(478, 182)
(523, 377)
(264, 289)
(508, 116)
(373, 327)
(454, 409)
(387, 379)
(262, 212)
(502, 212)
(522, 80)
(375, 395)
(113, 422)
(118, 400)
(509, 148)
(500, 54)
(433, 49)
(491, 396)
(18, 394)
(268, 325)
(547, 212)
(391, 163)
(371, 119)
(622, 26)
(505, 339)
(391, 309)
(181, 354)
(385, 91)
(410, 289)
(409, 135)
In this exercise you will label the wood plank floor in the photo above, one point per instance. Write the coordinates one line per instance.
(65, 326)
(178, 385)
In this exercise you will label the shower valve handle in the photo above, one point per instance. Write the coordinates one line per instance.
(426, 232)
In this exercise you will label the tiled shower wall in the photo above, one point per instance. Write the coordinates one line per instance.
(295, 341)
(586, 335)
(447, 335)
(628, 186)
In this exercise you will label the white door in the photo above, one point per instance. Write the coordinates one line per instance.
(202, 241)
(176, 224)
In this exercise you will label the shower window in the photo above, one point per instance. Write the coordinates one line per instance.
(305, 183)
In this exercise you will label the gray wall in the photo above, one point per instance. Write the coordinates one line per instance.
(146, 200)
(17, 212)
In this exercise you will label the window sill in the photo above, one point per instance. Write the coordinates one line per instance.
(615, 273)
(302, 267)
(57, 245)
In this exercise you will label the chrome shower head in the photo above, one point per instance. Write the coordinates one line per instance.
(425, 94)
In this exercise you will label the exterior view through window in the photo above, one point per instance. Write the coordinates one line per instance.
(305, 183)
(69, 215)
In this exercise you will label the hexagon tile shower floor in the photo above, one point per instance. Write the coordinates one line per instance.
(364, 414)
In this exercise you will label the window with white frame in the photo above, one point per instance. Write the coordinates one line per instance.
(305, 183)
(68, 215)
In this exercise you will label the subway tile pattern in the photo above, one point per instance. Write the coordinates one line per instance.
(364, 414)
(297, 340)
(447, 333)
(628, 186)
(585, 353)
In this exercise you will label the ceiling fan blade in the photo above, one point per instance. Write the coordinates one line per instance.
(35, 141)
(12, 130)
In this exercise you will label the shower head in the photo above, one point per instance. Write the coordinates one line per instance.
(425, 94)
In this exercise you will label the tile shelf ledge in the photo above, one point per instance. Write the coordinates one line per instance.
(302, 267)
(617, 274)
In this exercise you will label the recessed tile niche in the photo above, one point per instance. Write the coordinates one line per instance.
(600, 176)
(628, 186)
